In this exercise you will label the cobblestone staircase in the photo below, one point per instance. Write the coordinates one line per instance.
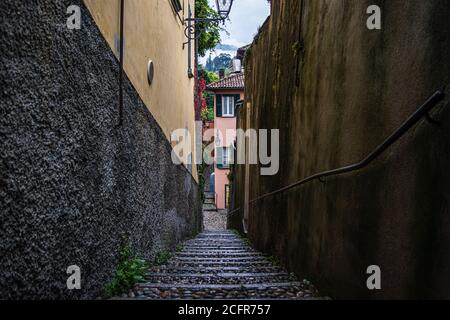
(220, 265)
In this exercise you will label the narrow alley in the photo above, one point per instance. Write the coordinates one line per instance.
(293, 150)
(220, 264)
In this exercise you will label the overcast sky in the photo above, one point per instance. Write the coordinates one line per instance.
(245, 18)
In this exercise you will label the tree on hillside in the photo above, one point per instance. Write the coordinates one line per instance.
(222, 61)
(209, 64)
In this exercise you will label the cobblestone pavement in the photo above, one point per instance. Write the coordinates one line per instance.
(213, 219)
(220, 265)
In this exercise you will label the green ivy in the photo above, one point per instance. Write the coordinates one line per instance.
(208, 114)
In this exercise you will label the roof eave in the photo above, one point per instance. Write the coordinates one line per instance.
(224, 89)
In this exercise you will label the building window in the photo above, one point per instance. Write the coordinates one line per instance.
(228, 106)
(224, 157)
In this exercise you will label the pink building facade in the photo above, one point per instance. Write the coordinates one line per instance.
(228, 91)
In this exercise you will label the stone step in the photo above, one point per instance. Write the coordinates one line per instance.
(214, 243)
(203, 264)
(274, 291)
(257, 286)
(226, 275)
(220, 254)
(218, 237)
(213, 280)
(209, 207)
(217, 248)
(218, 278)
(211, 242)
(207, 259)
(210, 195)
(209, 201)
(218, 232)
(216, 270)
(218, 251)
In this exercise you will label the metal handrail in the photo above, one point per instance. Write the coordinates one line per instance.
(422, 111)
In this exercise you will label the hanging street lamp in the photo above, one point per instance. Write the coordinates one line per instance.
(224, 8)
(223, 11)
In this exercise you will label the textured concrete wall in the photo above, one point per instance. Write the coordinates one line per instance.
(335, 90)
(71, 181)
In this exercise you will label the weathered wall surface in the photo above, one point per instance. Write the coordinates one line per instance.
(71, 181)
(335, 90)
(152, 31)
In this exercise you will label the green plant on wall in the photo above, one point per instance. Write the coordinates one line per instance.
(162, 257)
(208, 114)
(130, 271)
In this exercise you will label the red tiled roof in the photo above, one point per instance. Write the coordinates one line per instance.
(233, 81)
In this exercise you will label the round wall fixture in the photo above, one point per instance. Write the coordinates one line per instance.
(150, 72)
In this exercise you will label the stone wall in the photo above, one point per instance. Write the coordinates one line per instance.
(336, 90)
(72, 182)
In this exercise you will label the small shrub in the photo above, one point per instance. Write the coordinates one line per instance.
(237, 233)
(130, 271)
(274, 260)
(162, 257)
(244, 238)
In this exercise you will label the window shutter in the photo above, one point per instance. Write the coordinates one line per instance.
(219, 157)
(227, 151)
(218, 105)
(177, 5)
(237, 97)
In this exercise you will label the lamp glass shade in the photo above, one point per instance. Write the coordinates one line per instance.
(224, 7)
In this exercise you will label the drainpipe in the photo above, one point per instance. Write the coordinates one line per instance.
(122, 8)
(190, 73)
(198, 112)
